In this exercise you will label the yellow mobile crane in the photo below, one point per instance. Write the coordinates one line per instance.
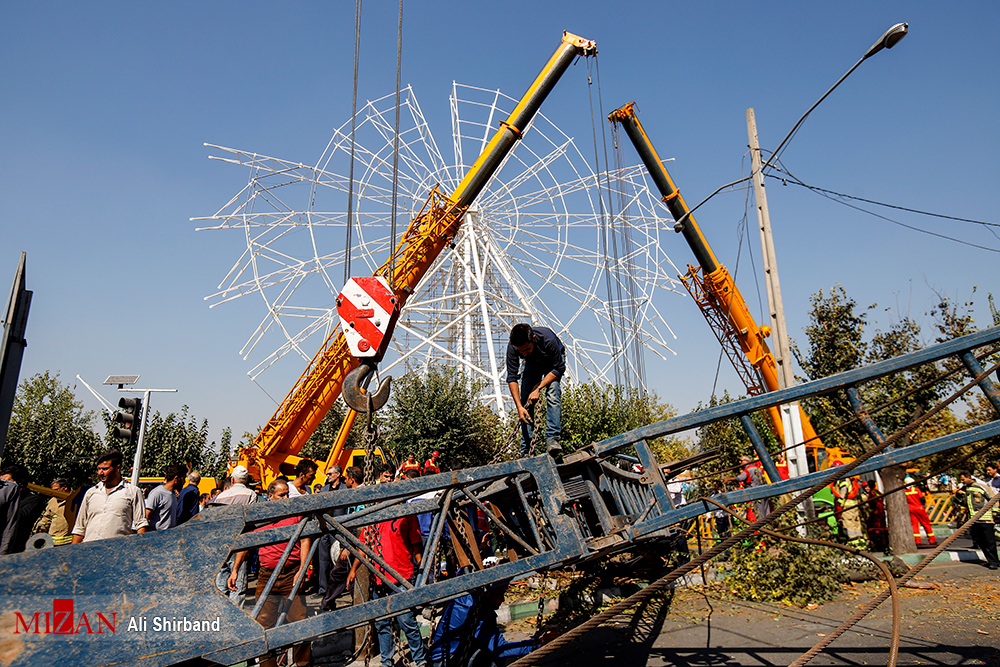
(334, 368)
(720, 300)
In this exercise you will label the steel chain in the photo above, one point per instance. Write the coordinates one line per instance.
(370, 532)
(463, 536)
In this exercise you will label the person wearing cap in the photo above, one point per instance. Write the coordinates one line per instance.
(237, 494)
(431, 465)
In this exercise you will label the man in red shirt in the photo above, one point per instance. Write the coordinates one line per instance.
(269, 557)
(400, 545)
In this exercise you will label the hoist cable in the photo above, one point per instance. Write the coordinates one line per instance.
(395, 153)
(604, 226)
(354, 120)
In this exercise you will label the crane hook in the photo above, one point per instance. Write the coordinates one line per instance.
(354, 392)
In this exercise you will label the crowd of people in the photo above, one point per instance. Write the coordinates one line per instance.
(465, 622)
(113, 507)
(856, 512)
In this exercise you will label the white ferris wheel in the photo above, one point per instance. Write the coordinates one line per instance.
(549, 241)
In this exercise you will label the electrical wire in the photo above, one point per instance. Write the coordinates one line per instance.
(835, 197)
(797, 181)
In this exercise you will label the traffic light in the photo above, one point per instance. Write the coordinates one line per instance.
(127, 420)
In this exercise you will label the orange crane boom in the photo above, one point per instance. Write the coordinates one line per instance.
(713, 288)
(280, 440)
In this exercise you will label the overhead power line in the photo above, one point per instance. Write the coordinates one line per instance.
(840, 198)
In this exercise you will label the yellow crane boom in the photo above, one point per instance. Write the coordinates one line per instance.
(280, 440)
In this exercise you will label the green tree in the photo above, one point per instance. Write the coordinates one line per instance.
(594, 411)
(177, 438)
(50, 433)
(324, 437)
(836, 340)
(435, 412)
(731, 440)
(835, 343)
(953, 319)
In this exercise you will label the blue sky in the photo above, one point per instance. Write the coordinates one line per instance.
(106, 107)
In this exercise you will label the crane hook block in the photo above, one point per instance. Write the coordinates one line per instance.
(368, 311)
(355, 395)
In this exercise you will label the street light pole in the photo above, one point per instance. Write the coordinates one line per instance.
(137, 461)
(791, 422)
(888, 40)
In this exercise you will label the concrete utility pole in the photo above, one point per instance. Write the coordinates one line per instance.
(790, 416)
(782, 355)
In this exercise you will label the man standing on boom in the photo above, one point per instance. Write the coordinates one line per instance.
(544, 366)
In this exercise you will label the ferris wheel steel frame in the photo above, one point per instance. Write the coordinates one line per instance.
(534, 246)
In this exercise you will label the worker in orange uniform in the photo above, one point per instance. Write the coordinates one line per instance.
(847, 496)
(409, 464)
(751, 476)
(918, 513)
(431, 465)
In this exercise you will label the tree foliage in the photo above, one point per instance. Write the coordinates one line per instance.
(436, 412)
(835, 343)
(324, 437)
(50, 433)
(176, 438)
(594, 411)
(771, 570)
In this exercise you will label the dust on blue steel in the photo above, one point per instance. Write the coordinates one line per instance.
(550, 515)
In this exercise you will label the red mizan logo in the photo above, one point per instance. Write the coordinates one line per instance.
(63, 621)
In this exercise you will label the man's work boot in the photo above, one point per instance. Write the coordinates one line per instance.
(553, 448)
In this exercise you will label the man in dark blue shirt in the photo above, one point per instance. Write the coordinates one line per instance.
(468, 635)
(544, 366)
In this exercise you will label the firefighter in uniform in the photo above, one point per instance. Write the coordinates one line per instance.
(847, 495)
(918, 513)
(971, 496)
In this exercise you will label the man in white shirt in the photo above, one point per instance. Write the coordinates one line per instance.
(993, 477)
(305, 473)
(112, 508)
(237, 494)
